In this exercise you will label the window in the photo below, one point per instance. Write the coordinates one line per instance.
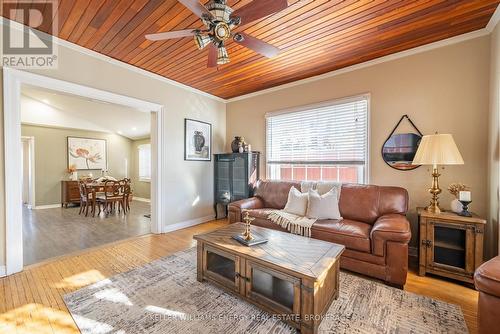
(327, 142)
(145, 162)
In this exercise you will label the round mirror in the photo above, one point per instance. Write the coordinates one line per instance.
(399, 150)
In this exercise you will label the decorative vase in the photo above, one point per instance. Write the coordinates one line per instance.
(456, 206)
(199, 141)
(235, 145)
(73, 176)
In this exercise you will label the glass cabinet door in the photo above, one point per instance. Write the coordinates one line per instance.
(272, 289)
(239, 181)
(449, 244)
(222, 267)
(222, 179)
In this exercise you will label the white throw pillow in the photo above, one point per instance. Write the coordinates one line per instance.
(297, 202)
(323, 206)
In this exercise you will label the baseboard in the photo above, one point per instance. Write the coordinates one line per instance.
(3, 271)
(48, 206)
(140, 199)
(187, 223)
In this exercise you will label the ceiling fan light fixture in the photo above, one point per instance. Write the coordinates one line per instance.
(222, 56)
(219, 10)
(202, 41)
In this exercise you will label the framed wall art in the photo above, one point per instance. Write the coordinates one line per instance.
(197, 140)
(87, 153)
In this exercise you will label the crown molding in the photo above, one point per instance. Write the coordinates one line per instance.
(495, 18)
(394, 56)
(100, 56)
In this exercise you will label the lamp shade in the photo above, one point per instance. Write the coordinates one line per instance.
(438, 149)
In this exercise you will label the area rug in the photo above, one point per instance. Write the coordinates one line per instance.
(165, 297)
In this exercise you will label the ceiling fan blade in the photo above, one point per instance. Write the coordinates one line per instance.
(212, 55)
(255, 44)
(258, 9)
(170, 34)
(196, 7)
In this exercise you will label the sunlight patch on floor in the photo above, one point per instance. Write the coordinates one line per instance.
(80, 280)
(36, 318)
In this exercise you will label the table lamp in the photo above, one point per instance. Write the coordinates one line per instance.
(437, 149)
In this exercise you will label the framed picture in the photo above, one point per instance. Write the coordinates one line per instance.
(87, 153)
(197, 140)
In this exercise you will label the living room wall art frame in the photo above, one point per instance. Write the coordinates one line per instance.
(87, 153)
(197, 140)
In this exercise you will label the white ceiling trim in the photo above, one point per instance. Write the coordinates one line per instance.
(113, 61)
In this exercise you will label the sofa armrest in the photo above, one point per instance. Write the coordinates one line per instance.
(235, 208)
(391, 227)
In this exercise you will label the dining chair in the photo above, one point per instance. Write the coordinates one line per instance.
(86, 199)
(126, 191)
(112, 196)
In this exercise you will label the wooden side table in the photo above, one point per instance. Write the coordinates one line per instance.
(450, 245)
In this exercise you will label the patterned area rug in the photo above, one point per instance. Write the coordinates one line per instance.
(164, 297)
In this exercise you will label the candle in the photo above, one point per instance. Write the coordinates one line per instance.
(464, 196)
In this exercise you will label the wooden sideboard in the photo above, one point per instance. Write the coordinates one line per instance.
(69, 193)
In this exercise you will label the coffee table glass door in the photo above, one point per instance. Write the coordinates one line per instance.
(269, 287)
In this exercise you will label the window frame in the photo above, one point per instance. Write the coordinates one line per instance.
(353, 98)
(139, 149)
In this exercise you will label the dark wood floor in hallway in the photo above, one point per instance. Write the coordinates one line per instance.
(49, 233)
(31, 301)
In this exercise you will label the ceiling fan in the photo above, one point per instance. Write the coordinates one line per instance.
(219, 20)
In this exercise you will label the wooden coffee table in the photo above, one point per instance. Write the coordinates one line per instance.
(293, 277)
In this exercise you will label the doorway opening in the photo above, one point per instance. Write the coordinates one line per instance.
(86, 139)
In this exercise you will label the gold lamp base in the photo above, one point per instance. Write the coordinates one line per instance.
(435, 191)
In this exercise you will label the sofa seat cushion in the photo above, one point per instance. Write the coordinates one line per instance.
(350, 233)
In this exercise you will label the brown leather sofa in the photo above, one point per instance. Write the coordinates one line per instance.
(374, 228)
(487, 281)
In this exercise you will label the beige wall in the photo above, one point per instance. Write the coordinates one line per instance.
(51, 158)
(443, 90)
(185, 180)
(141, 188)
(494, 141)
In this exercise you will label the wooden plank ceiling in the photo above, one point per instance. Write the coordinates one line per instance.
(315, 36)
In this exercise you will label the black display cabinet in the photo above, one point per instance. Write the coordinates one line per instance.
(235, 177)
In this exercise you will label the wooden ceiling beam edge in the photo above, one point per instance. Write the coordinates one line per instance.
(268, 36)
(100, 56)
(340, 41)
(402, 54)
(326, 66)
(243, 57)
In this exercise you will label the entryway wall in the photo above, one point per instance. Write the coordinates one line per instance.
(184, 181)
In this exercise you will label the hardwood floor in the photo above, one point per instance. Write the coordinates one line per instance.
(54, 232)
(31, 301)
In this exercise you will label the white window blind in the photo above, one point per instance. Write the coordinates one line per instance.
(327, 142)
(144, 162)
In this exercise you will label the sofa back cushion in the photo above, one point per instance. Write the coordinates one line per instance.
(365, 203)
(274, 194)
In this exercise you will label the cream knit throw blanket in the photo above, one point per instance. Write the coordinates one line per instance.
(293, 223)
